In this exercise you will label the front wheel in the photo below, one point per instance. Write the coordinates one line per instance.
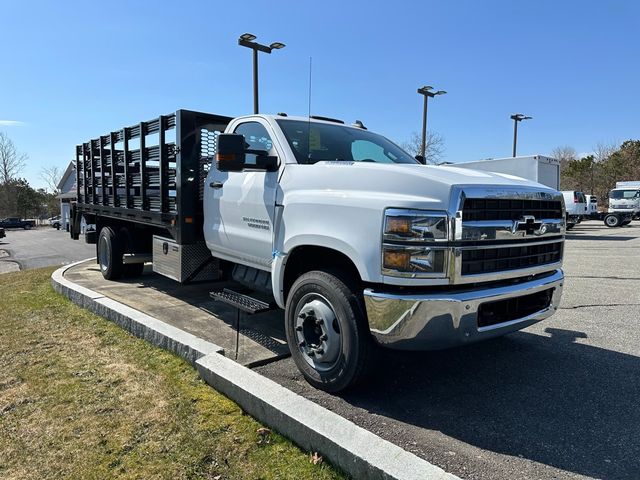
(612, 221)
(327, 331)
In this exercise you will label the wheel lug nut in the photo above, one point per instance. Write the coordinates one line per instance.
(299, 328)
(319, 321)
(319, 351)
(301, 344)
(323, 337)
(302, 315)
(311, 353)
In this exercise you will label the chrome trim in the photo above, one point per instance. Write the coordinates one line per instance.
(488, 230)
(441, 320)
(399, 212)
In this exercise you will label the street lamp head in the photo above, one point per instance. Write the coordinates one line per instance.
(248, 37)
(527, 118)
(277, 45)
(440, 92)
(519, 117)
(424, 90)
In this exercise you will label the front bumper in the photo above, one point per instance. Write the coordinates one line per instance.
(443, 320)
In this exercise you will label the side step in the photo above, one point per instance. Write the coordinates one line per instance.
(242, 302)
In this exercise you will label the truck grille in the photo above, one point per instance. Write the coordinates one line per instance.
(501, 258)
(479, 209)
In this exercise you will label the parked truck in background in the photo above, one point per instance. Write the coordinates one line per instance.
(537, 168)
(592, 207)
(625, 198)
(17, 222)
(352, 237)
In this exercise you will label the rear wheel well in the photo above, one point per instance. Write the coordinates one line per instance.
(307, 258)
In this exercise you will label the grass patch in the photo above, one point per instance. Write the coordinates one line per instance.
(81, 398)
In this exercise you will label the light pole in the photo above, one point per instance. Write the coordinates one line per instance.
(426, 91)
(517, 117)
(247, 40)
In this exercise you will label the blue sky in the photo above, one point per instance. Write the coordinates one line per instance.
(74, 70)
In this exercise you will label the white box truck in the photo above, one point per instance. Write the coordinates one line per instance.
(351, 236)
(537, 168)
(625, 198)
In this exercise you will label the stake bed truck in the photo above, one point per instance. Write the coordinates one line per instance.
(357, 241)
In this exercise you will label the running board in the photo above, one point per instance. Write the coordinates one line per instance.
(242, 302)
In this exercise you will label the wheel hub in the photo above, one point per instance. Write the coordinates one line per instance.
(317, 333)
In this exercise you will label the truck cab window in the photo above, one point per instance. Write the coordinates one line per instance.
(256, 138)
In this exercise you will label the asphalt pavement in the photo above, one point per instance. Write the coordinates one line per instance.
(41, 247)
(560, 399)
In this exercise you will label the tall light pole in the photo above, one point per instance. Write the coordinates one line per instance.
(247, 40)
(517, 117)
(426, 91)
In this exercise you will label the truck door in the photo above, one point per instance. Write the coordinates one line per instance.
(239, 207)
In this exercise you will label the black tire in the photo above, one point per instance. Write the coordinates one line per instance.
(625, 222)
(133, 270)
(110, 253)
(323, 364)
(612, 221)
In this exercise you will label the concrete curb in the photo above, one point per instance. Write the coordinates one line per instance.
(355, 450)
(166, 336)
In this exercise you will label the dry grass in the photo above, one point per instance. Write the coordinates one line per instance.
(80, 398)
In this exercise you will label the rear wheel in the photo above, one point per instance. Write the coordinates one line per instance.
(110, 253)
(327, 331)
(612, 221)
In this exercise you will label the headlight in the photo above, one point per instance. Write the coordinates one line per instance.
(409, 243)
(413, 261)
(415, 226)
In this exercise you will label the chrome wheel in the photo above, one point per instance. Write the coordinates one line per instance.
(318, 332)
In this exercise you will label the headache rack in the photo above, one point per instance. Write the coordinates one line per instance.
(151, 173)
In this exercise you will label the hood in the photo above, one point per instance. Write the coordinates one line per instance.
(398, 185)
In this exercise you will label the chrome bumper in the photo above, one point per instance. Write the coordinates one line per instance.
(443, 320)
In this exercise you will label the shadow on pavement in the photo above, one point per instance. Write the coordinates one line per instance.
(547, 399)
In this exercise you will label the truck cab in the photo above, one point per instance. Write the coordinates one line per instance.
(625, 200)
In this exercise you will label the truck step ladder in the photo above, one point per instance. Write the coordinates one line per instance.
(242, 304)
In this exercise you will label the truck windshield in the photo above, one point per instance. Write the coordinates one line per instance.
(313, 142)
(619, 194)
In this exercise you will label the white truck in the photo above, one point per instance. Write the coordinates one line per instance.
(625, 198)
(537, 168)
(576, 206)
(353, 238)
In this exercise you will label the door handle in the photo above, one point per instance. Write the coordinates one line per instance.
(215, 184)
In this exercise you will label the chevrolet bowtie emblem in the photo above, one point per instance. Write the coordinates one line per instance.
(527, 221)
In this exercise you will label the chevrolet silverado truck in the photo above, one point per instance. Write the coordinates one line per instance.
(358, 242)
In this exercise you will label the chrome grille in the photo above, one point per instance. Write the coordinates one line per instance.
(505, 257)
(482, 209)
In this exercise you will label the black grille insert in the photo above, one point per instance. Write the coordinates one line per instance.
(488, 260)
(501, 311)
(478, 209)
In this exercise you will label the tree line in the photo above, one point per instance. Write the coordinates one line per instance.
(597, 173)
(17, 197)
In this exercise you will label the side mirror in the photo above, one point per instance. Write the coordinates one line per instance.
(421, 159)
(230, 156)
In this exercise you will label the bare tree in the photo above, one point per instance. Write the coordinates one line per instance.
(11, 162)
(602, 151)
(434, 148)
(564, 153)
(51, 176)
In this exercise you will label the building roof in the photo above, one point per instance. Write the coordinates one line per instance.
(71, 170)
